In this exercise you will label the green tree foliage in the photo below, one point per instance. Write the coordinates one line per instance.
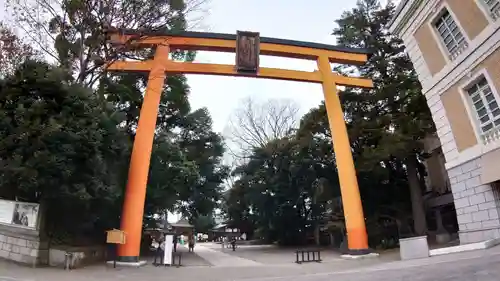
(205, 149)
(203, 224)
(59, 149)
(278, 189)
(395, 112)
(236, 205)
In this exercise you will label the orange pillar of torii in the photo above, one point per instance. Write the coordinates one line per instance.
(247, 46)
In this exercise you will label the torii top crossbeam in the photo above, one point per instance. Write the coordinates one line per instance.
(219, 42)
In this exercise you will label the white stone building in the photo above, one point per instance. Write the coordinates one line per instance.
(454, 46)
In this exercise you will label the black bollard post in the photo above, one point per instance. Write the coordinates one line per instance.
(115, 254)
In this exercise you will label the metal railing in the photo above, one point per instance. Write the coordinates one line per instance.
(491, 135)
(302, 256)
(495, 10)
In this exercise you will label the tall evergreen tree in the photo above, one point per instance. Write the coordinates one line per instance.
(57, 148)
(395, 116)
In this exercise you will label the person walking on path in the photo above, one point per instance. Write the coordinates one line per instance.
(191, 243)
(175, 243)
(224, 242)
(161, 250)
(233, 243)
(155, 247)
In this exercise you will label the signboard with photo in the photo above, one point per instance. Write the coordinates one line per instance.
(19, 213)
(25, 214)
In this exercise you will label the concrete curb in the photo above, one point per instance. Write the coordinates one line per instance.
(465, 248)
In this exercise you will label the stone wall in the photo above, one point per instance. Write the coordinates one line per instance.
(80, 256)
(477, 205)
(22, 245)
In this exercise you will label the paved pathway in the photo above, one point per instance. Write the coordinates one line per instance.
(220, 259)
(188, 259)
(273, 255)
(478, 266)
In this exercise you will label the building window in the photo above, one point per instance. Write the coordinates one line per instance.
(493, 7)
(485, 105)
(450, 34)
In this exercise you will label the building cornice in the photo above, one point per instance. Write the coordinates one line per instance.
(399, 8)
(404, 12)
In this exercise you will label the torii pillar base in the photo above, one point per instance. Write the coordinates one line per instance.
(126, 264)
(357, 256)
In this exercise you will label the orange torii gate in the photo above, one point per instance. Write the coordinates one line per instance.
(248, 46)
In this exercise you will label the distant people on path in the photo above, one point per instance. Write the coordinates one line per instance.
(224, 242)
(233, 243)
(175, 243)
(155, 247)
(154, 244)
(191, 243)
(162, 245)
(161, 249)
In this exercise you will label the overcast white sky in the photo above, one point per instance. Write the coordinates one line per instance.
(311, 20)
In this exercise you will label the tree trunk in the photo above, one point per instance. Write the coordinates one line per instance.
(417, 202)
(439, 221)
(316, 234)
(332, 239)
(422, 170)
(316, 222)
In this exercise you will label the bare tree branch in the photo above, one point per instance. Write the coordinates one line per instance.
(253, 125)
(13, 51)
(72, 32)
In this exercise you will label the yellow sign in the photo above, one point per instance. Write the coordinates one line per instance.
(115, 236)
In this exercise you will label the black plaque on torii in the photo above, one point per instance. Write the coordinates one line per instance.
(247, 52)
